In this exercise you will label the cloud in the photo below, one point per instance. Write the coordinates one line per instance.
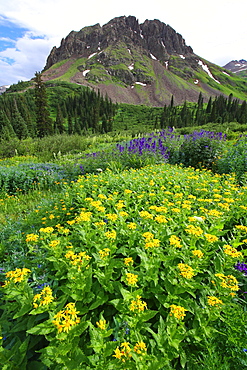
(19, 63)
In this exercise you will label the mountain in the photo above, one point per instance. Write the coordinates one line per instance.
(136, 63)
(237, 66)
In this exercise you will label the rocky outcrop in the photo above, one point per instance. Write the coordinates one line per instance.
(151, 37)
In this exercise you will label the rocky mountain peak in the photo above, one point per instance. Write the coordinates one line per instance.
(152, 37)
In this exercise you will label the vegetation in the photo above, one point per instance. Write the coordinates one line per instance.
(125, 249)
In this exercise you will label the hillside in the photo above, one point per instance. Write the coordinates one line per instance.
(139, 64)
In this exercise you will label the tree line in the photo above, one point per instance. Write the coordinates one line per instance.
(40, 112)
(32, 113)
(217, 110)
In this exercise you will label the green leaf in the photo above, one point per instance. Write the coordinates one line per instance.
(101, 299)
(26, 308)
(41, 329)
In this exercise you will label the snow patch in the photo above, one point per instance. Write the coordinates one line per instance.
(162, 43)
(129, 51)
(226, 73)
(182, 56)
(140, 83)
(196, 82)
(153, 57)
(206, 69)
(88, 46)
(166, 64)
(92, 55)
(141, 35)
(85, 72)
(131, 66)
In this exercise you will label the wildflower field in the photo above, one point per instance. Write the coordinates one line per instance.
(133, 269)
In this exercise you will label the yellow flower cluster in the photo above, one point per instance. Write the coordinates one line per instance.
(124, 351)
(186, 271)
(214, 301)
(111, 234)
(150, 241)
(47, 230)
(137, 304)
(197, 253)
(83, 216)
(101, 324)
(120, 204)
(211, 238)
(54, 243)
(32, 237)
(112, 216)
(175, 241)
(65, 319)
(229, 281)
(131, 279)
(146, 215)
(104, 253)
(97, 204)
(160, 219)
(16, 276)
(177, 311)
(128, 261)
(131, 226)
(79, 259)
(140, 348)
(44, 297)
(233, 252)
(161, 209)
(194, 230)
(241, 227)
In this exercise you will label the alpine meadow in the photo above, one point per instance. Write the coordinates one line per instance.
(123, 207)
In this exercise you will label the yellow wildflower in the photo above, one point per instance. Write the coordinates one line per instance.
(214, 301)
(131, 278)
(177, 311)
(137, 304)
(140, 348)
(186, 271)
(101, 324)
(128, 261)
(47, 230)
(194, 230)
(104, 253)
(32, 237)
(197, 253)
(233, 252)
(211, 238)
(175, 241)
(131, 226)
(111, 234)
(44, 297)
(54, 243)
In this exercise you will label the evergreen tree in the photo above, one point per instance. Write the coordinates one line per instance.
(44, 122)
(59, 122)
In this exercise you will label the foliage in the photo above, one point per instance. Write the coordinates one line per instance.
(234, 160)
(134, 269)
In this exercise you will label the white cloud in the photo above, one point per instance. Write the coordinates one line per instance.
(25, 58)
(216, 30)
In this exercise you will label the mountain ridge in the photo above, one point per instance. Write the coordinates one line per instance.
(136, 63)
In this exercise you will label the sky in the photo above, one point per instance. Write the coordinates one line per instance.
(215, 29)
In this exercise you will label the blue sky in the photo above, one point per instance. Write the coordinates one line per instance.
(215, 29)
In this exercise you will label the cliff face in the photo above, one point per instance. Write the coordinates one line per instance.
(151, 37)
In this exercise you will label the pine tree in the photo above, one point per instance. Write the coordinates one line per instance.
(44, 122)
(59, 122)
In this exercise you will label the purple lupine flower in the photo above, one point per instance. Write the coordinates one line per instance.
(240, 266)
